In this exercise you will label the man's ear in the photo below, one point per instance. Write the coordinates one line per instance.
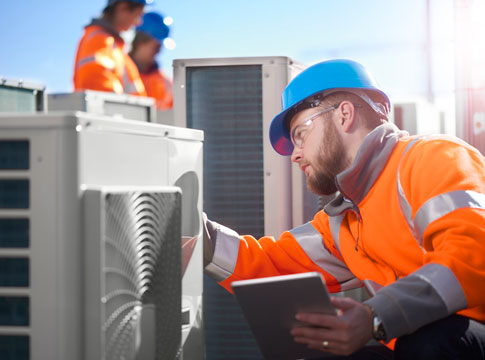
(347, 115)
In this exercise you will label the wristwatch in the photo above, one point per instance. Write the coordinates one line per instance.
(378, 332)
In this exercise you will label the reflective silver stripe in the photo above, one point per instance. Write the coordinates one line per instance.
(94, 33)
(436, 207)
(86, 60)
(443, 204)
(225, 254)
(445, 283)
(128, 85)
(403, 201)
(312, 243)
(335, 224)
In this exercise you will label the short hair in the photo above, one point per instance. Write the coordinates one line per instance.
(369, 117)
(109, 10)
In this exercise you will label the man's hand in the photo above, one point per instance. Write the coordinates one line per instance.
(341, 334)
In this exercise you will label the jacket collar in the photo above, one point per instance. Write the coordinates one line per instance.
(107, 27)
(372, 156)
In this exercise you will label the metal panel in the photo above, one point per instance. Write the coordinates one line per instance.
(105, 103)
(247, 186)
(65, 151)
(185, 171)
(226, 102)
(22, 97)
(133, 272)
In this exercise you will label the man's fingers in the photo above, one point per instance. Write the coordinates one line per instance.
(315, 344)
(320, 320)
(310, 333)
(343, 303)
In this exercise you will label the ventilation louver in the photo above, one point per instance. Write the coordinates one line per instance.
(140, 282)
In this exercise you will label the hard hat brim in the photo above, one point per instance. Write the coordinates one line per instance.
(279, 134)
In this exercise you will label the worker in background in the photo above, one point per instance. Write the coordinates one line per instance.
(101, 62)
(146, 45)
(409, 220)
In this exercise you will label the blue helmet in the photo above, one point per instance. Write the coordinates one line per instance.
(143, 2)
(323, 79)
(153, 24)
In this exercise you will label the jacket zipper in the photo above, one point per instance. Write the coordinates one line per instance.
(359, 220)
(356, 211)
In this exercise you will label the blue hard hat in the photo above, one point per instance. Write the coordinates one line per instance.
(143, 2)
(153, 24)
(323, 79)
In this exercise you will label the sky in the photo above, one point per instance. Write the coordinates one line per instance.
(39, 38)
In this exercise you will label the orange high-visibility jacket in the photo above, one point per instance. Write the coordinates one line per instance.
(410, 217)
(101, 63)
(159, 87)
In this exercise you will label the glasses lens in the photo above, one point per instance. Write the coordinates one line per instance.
(298, 134)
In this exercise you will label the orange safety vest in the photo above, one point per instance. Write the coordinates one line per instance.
(101, 63)
(410, 217)
(159, 87)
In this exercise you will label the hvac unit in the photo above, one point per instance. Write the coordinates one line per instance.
(247, 185)
(100, 249)
(418, 117)
(20, 96)
(105, 103)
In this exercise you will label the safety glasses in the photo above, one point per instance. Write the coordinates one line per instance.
(299, 132)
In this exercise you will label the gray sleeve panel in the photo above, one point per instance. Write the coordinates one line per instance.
(427, 295)
(312, 243)
(225, 253)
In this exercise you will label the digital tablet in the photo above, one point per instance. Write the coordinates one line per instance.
(270, 305)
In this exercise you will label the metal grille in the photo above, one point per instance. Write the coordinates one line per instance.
(142, 295)
(14, 347)
(17, 99)
(14, 154)
(226, 102)
(14, 235)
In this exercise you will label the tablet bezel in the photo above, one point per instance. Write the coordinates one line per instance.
(270, 305)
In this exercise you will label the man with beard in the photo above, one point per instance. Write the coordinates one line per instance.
(408, 220)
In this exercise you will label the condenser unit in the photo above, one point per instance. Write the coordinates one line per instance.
(100, 250)
(105, 103)
(247, 185)
(21, 96)
(418, 116)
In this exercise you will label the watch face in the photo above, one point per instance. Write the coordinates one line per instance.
(378, 329)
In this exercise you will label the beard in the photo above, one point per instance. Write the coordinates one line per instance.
(333, 160)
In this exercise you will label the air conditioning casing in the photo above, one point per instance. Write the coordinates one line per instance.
(417, 116)
(123, 106)
(66, 156)
(21, 96)
(247, 185)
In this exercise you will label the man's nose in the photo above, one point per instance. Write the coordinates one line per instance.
(296, 154)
